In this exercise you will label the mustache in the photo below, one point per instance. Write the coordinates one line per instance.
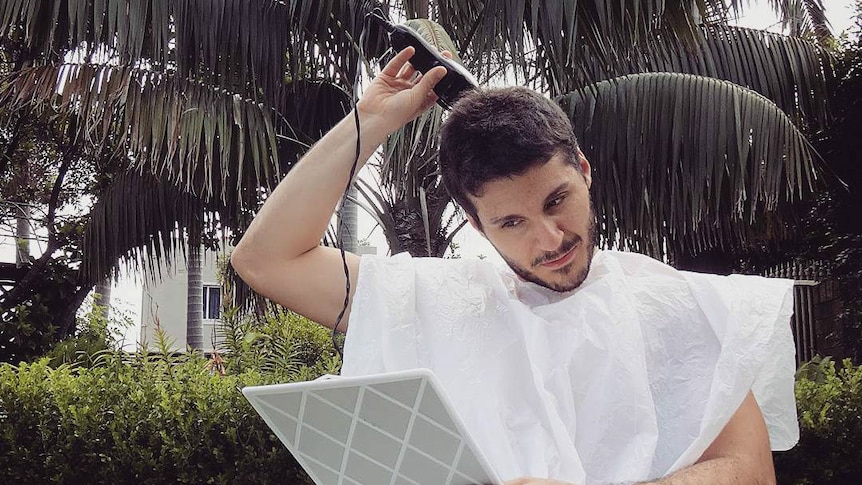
(565, 247)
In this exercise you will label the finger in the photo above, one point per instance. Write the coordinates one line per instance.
(407, 71)
(430, 79)
(446, 54)
(394, 66)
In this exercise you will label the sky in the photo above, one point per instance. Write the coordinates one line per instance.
(127, 294)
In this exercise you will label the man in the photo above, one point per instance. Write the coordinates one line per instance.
(577, 366)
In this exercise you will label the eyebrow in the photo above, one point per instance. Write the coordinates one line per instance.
(554, 193)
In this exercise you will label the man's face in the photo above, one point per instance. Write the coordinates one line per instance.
(542, 222)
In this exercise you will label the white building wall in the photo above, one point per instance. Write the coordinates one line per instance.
(164, 301)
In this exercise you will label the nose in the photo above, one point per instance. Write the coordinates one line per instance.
(549, 235)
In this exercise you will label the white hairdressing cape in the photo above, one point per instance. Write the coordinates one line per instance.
(629, 377)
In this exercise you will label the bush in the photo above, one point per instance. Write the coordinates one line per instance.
(30, 328)
(829, 402)
(84, 414)
(95, 333)
(280, 341)
(144, 421)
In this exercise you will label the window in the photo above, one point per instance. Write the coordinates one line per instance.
(212, 302)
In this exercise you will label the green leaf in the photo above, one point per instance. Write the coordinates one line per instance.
(698, 132)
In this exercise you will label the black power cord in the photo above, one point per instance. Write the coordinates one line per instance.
(448, 89)
(356, 82)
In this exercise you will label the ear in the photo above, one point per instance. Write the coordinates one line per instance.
(585, 168)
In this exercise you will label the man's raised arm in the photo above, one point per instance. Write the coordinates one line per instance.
(280, 255)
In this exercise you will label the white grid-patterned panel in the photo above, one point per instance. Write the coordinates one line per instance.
(392, 433)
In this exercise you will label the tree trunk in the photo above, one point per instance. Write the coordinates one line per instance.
(103, 296)
(194, 302)
(68, 319)
(347, 222)
(22, 236)
(23, 288)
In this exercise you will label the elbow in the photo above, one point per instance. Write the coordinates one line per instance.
(243, 261)
(255, 264)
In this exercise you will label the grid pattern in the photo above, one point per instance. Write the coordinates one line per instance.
(395, 433)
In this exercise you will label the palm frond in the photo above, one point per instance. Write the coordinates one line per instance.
(251, 48)
(559, 32)
(312, 108)
(233, 43)
(137, 220)
(686, 163)
(794, 73)
(208, 140)
(804, 19)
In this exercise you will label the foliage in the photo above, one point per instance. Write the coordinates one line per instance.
(842, 241)
(280, 341)
(98, 333)
(219, 101)
(148, 421)
(31, 327)
(193, 104)
(164, 417)
(189, 106)
(831, 238)
(832, 227)
(741, 161)
(45, 183)
(829, 402)
(101, 416)
(272, 339)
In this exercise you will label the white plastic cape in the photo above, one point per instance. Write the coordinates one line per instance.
(629, 377)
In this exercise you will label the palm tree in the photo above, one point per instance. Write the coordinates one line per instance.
(187, 113)
(688, 203)
(194, 298)
(203, 106)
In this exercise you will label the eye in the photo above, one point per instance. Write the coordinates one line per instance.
(511, 223)
(555, 201)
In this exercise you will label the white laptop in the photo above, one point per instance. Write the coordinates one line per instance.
(386, 429)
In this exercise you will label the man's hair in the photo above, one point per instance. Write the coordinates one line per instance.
(500, 132)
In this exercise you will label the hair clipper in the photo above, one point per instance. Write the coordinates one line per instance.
(457, 79)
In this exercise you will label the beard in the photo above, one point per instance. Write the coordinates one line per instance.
(577, 276)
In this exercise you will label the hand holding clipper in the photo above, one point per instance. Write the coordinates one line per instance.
(426, 57)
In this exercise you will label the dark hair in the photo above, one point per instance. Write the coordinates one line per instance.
(500, 132)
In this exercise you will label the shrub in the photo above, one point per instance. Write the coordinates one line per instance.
(85, 414)
(95, 333)
(829, 402)
(280, 341)
(141, 421)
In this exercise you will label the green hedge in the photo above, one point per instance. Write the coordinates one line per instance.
(829, 402)
(85, 415)
(146, 423)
